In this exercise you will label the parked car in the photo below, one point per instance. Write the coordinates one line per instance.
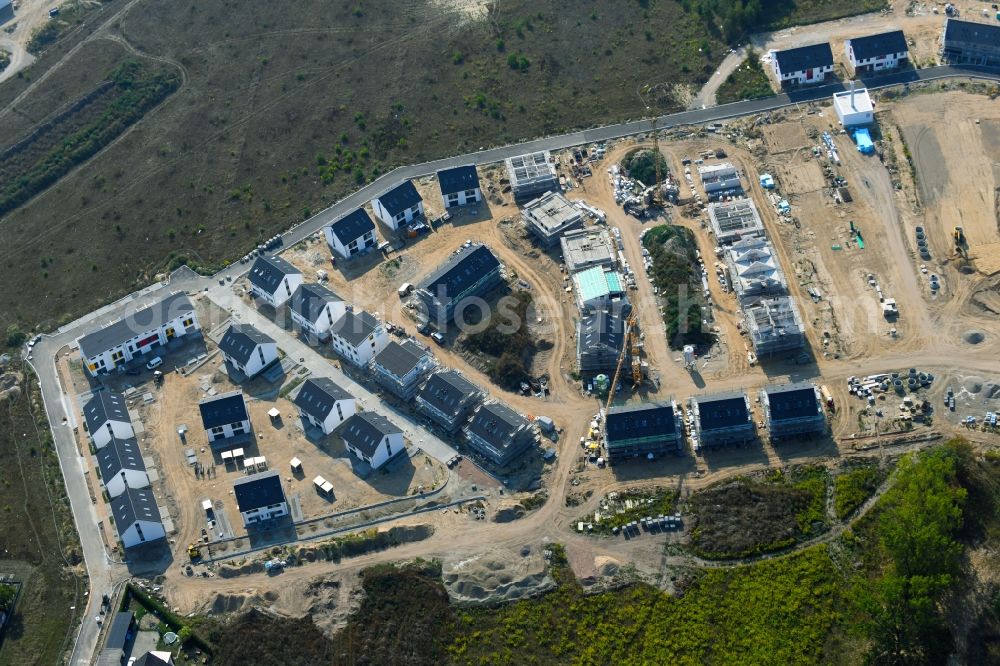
(438, 338)
(155, 362)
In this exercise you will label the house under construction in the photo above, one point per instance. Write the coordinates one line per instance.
(532, 175)
(734, 220)
(774, 326)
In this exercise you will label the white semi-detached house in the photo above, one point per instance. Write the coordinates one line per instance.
(351, 235)
(459, 186)
(358, 336)
(116, 344)
(225, 416)
(137, 518)
(401, 366)
(247, 349)
(273, 280)
(399, 205)
(106, 416)
(121, 466)
(315, 309)
(803, 65)
(372, 438)
(323, 404)
(260, 497)
(874, 53)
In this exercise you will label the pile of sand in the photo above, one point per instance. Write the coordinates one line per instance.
(496, 576)
(509, 513)
(973, 384)
(230, 603)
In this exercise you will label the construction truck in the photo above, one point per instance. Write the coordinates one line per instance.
(194, 551)
(959, 235)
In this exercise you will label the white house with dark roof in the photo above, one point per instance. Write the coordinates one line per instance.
(459, 186)
(273, 280)
(352, 234)
(447, 398)
(225, 416)
(401, 366)
(118, 343)
(793, 410)
(324, 404)
(970, 42)
(315, 309)
(260, 497)
(137, 517)
(874, 53)
(473, 270)
(358, 336)
(106, 416)
(499, 433)
(248, 349)
(372, 438)
(803, 65)
(399, 205)
(121, 466)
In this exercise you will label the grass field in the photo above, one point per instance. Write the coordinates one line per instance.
(39, 539)
(747, 82)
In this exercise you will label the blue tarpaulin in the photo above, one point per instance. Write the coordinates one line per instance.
(864, 141)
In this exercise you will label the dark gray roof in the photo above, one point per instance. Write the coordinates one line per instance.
(352, 226)
(458, 179)
(268, 272)
(643, 420)
(103, 407)
(119, 455)
(985, 34)
(401, 358)
(602, 332)
(804, 57)
(241, 340)
(463, 268)
(144, 320)
(792, 401)
(402, 197)
(875, 46)
(449, 392)
(498, 424)
(118, 633)
(356, 326)
(365, 430)
(223, 409)
(150, 659)
(132, 505)
(258, 490)
(309, 299)
(722, 410)
(318, 395)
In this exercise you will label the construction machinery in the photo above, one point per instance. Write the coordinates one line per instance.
(658, 192)
(194, 551)
(630, 343)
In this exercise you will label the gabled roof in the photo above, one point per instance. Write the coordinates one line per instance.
(223, 409)
(644, 420)
(722, 410)
(103, 407)
(318, 396)
(133, 505)
(118, 456)
(241, 340)
(449, 392)
(309, 299)
(465, 267)
(400, 358)
(792, 401)
(153, 658)
(458, 179)
(118, 633)
(497, 424)
(602, 332)
(352, 226)
(804, 57)
(970, 32)
(402, 197)
(356, 326)
(258, 490)
(144, 320)
(875, 46)
(365, 431)
(268, 272)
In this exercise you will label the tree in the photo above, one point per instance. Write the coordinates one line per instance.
(7, 594)
(184, 634)
(15, 336)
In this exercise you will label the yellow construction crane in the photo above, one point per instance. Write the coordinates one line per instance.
(658, 192)
(629, 343)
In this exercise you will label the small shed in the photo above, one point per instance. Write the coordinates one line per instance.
(207, 506)
(274, 414)
(296, 465)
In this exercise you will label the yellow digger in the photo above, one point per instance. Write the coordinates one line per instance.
(194, 551)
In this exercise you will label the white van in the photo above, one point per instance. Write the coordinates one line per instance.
(155, 362)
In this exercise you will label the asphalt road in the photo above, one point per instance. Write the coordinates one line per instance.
(104, 573)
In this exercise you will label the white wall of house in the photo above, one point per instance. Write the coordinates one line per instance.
(361, 355)
(387, 448)
(403, 217)
(141, 531)
(127, 478)
(265, 513)
(228, 430)
(342, 410)
(808, 76)
(348, 250)
(142, 344)
(328, 316)
(262, 356)
(462, 198)
(282, 293)
(888, 61)
(118, 429)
